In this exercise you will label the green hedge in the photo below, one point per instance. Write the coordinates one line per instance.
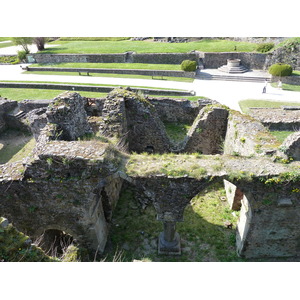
(189, 66)
(281, 70)
(9, 60)
(264, 47)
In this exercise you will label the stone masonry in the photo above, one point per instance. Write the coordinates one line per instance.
(71, 184)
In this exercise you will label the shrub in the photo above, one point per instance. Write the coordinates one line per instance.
(264, 47)
(189, 66)
(9, 60)
(280, 70)
(22, 55)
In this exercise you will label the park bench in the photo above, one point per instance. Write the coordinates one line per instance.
(87, 73)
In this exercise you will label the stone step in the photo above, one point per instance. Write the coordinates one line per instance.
(232, 78)
(227, 69)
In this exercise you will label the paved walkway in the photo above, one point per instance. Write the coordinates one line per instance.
(225, 92)
(14, 49)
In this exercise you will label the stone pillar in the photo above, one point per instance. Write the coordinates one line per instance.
(169, 239)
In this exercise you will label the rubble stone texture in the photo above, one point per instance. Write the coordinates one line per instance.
(73, 185)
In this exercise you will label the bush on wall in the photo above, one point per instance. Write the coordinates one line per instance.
(264, 47)
(281, 70)
(188, 66)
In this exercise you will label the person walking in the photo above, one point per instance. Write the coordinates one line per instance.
(265, 87)
(279, 85)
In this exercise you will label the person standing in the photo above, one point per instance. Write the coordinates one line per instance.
(265, 87)
(279, 85)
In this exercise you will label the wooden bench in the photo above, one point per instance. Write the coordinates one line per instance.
(87, 73)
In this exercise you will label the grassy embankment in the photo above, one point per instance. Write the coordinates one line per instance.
(206, 45)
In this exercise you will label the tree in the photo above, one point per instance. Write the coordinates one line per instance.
(23, 41)
(40, 42)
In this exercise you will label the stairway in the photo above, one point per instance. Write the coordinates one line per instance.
(233, 70)
(206, 76)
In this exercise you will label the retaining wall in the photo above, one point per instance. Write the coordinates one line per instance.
(118, 71)
(287, 79)
(214, 60)
(88, 88)
(127, 57)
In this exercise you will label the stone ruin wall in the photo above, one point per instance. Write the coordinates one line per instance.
(269, 220)
(246, 136)
(64, 185)
(284, 118)
(74, 185)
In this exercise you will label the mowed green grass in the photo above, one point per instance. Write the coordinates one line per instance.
(206, 45)
(38, 94)
(246, 104)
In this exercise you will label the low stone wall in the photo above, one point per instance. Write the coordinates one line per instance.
(293, 79)
(42, 58)
(278, 118)
(128, 57)
(89, 88)
(164, 58)
(152, 73)
(214, 60)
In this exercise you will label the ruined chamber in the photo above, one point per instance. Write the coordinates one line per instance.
(72, 180)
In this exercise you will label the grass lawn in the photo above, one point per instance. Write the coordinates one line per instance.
(37, 94)
(8, 44)
(20, 94)
(207, 45)
(246, 104)
(111, 66)
(176, 132)
(4, 39)
(281, 135)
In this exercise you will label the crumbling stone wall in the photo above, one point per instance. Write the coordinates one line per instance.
(269, 225)
(291, 146)
(114, 122)
(284, 118)
(246, 136)
(5, 107)
(68, 113)
(207, 132)
(29, 105)
(69, 187)
(178, 110)
(288, 54)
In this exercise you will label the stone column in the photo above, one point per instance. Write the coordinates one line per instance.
(169, 239)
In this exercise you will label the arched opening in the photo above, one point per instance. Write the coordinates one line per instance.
(54, 242)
